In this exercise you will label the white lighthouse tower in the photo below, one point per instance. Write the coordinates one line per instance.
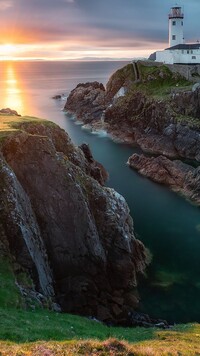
(176, 17)
(178, 51)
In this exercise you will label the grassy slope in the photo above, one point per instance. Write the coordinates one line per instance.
(163, 82)
(9, 124)
(25, 331)
(41, 332)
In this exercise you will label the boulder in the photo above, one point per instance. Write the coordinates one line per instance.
(87, 101)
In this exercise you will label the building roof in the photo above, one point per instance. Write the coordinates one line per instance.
(185, 46)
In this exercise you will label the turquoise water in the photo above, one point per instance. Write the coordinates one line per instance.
(167, 224)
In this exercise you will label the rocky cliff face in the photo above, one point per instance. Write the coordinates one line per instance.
(74, 236)
(160, 112)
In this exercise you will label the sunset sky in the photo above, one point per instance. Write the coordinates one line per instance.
(68, 29)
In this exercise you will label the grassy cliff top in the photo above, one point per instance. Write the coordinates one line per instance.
(160, 81)
(13, 123)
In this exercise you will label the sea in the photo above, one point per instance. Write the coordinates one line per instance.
(164, 221)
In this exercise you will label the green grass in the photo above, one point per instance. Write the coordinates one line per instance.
(11, 123)
(9, 293)
(25, 332)
(188, 120)
(27, 326)
(163, 81)
(70, 339)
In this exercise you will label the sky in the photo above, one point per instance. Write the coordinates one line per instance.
(73, 29)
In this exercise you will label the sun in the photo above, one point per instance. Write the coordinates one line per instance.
(8, 51)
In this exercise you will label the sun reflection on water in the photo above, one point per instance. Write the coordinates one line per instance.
(13, 93)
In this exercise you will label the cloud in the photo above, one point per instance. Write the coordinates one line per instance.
(92, 24)
(5, 4)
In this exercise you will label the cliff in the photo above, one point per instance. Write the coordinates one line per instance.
(60, 225)
(148, 105)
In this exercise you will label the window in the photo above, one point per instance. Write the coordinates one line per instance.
(191, 51)
(182, 51)
(193, 57)
(181, 23)
(174, 23)
(188, 51)
(173, 37)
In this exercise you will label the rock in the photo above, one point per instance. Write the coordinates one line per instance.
(71, 234)
(87, 101)
(56, 308)
(103, 314)
(8, 111)
(116, 310)
(195, 86)
(131, 300)
(117, 300)
(119, 82)
(57, 97)
(144, 320)
(20, 232)
(94, 168)
(177, 175)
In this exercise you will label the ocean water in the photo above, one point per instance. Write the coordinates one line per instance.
(167, 224)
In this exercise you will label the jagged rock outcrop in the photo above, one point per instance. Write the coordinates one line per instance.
(88, 101)
(160, 112)
(177, 175)
(94, 168)
(73, 235)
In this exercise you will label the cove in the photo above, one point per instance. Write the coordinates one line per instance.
(167, 224)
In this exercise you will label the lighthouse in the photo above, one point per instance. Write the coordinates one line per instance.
(176, 17)
(178, 51)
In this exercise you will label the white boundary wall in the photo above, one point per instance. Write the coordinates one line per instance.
(178, 56)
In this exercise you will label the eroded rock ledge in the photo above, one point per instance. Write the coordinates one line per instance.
(74, 236)
(177, 175)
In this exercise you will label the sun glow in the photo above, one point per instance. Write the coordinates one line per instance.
(8, 51)
(13, 97)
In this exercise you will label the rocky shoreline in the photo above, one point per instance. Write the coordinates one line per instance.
(177, 175)
(160, 113)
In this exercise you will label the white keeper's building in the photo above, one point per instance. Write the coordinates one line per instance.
(178, 51)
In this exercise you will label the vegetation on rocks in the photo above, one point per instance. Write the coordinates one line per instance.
(160, 82)
(155, 81)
